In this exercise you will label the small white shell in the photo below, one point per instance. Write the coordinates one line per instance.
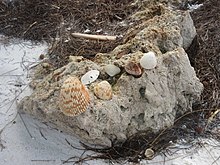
(90, 77)
(149, 153)
(149, 60)
(112, 70)
(103, 90)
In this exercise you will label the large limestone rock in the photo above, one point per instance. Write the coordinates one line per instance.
(149, 102)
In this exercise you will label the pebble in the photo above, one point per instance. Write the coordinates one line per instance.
(112, 70)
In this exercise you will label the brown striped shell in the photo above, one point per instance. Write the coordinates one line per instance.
(74, 97)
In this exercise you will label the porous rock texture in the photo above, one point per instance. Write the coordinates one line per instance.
(148, 102)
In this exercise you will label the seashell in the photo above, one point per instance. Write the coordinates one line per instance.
(149, 60)
(103, 90)
(75, 58)
(133, 69)
(112, 70)
(149, 153)
(74, 97)
(90, 77)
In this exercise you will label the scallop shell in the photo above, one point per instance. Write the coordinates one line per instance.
(103, 90)
(149, 60)
(112, 70)
(90, 77)
(133, 69)
(74, 97)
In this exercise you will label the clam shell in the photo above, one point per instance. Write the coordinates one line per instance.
(103, 90)
(133, 69)
(74, 98)
(90, 77)
(148, 60)
(112, 70)
(149, 153)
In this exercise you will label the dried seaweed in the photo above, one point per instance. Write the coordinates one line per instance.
(207, 60)
(54, 20)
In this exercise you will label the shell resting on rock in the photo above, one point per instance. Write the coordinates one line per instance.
(148, 60)
(74, 97)
(90, 77)
(112, 70)
(103, 90)
(133, 68)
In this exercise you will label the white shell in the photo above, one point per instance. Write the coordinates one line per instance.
(112, 70)
(90, 77)
(149, 60)
(149, 153)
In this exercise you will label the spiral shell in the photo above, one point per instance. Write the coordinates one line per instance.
(103, 90)
(74, 97)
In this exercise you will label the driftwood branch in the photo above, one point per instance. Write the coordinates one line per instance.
(95, 37)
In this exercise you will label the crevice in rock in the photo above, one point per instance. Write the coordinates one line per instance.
(140, 119)
(123, 109)
(142, 91)
(192, 51)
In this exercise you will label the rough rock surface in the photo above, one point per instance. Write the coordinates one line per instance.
(150, 101)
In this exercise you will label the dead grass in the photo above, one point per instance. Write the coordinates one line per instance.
(53, 21)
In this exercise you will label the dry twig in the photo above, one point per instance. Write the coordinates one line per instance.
(95, 37)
